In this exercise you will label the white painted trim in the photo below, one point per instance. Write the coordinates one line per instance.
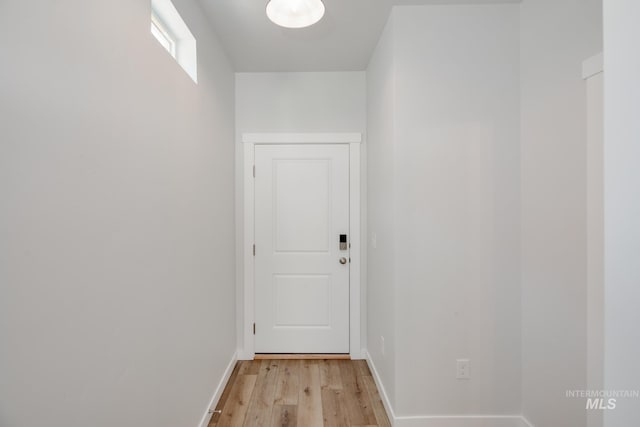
(593, 66)
(302, 138)
(381, 390)
(247, 303)
(355, 331)
(248, 352)
(442, 420)
(204, 422)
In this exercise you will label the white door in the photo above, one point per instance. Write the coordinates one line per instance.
(301, 272)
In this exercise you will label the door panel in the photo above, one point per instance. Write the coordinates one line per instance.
(302, 289)
(302, 212)
(302, 300)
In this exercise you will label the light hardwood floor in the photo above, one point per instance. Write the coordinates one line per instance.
(300, 393)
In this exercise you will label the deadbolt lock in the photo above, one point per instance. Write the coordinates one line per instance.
(343, 242)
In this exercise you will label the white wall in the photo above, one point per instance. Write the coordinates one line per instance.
(381, 305)
(457, 208)
(622, 206)
(556, 36)
(300, 102)
(454, 228)
(595, 239)
(297, 102)
(116, 225)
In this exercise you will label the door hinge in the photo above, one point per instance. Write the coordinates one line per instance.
(254, 249)
(254, 171)
(254, 329)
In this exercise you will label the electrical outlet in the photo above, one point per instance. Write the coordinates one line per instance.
(382, 349)
(462, 371)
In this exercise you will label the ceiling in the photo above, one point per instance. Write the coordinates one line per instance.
(342, 41)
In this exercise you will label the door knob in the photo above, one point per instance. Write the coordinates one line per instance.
(343, 260)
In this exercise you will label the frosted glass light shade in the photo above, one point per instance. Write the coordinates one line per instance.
(295, 13)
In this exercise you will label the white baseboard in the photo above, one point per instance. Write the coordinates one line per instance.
(381, 390)
(442, 420)
(219, 389)
(242, 355)
(359, 355)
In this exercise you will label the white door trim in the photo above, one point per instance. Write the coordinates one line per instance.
(247, 301)
(302, 138)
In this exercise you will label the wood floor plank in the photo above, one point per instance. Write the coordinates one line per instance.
(309, 396)
(285, 416)
(356, 397)
(287, 383)
(234, 411)
(304, 393)
(261, 404)
(334, 412)
(249, 367)
(330, 374)
(225, 396)
(376, 402)
(362, 368)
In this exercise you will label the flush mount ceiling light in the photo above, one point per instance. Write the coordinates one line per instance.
(295, 13)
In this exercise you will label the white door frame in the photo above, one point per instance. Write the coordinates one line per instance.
(247, 302)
